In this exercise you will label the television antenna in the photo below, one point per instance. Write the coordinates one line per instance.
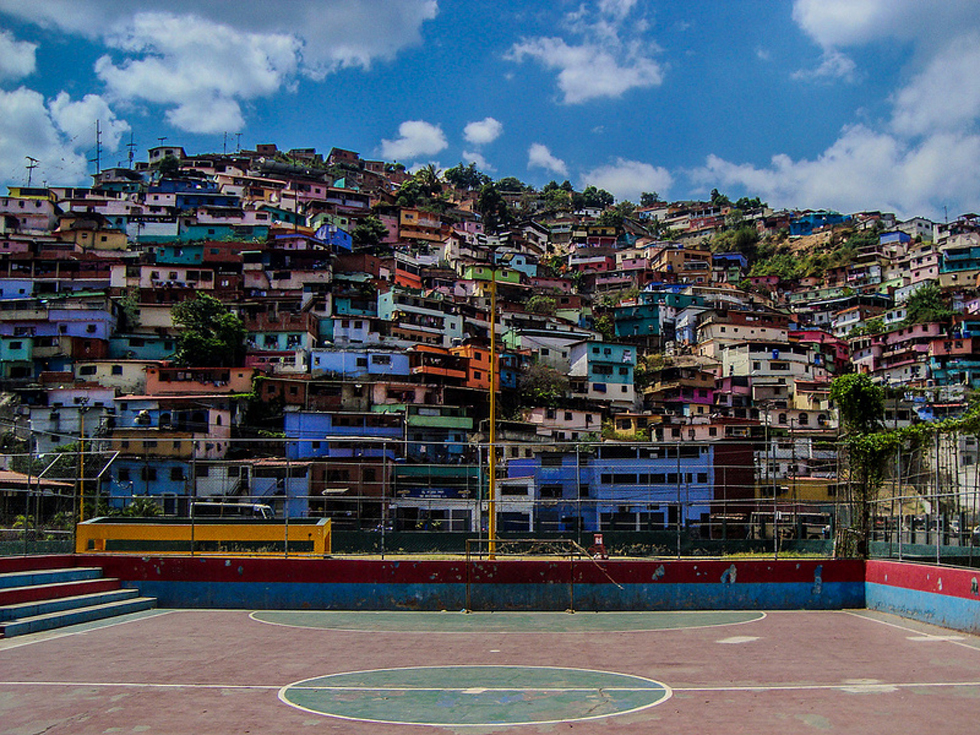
(30, 168)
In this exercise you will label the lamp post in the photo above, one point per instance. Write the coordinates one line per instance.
(492, 459)
(82, 408)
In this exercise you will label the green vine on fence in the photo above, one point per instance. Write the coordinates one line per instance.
(869, 447)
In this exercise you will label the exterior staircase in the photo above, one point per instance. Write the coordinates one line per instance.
(44, 592)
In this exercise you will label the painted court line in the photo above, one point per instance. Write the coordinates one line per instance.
(919, 635)
(759, 616)
(276, 687)
(884, 686)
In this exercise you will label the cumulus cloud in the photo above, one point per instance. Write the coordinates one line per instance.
(483, 131)
(477, 159)
(946, 94)
(173, 51)
(416, 138)
(202, 59)
(78, 119)
(626, 179)
(333, 33)
(925, 155)
(843, 23)
(17, 58)
(538, 156)
(58, 134)
(864, 169)
(608, 58)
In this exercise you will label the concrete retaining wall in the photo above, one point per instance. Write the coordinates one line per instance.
(945, 596)
(331, 584)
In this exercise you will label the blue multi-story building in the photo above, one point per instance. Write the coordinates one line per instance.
(341, 433)
(613, 487)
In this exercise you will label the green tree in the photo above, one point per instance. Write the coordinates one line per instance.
(594, 197)
(511, 184)
(719, 200)
(491, 205)
(747, 205)
(649, 198)
(369, 232)
(606, 326)
(540, 385)
(211, 335)
(466, 177)
(927, 304)
(168, 167)
(541, 304)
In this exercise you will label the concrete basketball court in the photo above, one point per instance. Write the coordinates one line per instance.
(230, 671)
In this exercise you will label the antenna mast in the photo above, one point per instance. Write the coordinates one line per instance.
(30, 168)
(98, 147)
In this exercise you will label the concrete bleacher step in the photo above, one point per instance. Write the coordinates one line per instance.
(48, 621)
(32, 577)
(36, 592)
(53, 593)
(62, 604)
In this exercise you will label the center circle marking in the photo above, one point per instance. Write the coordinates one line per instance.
(475, 695)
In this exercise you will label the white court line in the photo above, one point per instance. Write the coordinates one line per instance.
(829, 687)
(137, 685)
(959, 640)
(500, 631)
(270, 687)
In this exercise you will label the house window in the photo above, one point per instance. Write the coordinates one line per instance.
(177, 474)
(117, 370)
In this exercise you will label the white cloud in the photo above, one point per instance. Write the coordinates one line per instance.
(864, 169)
(202, 59)
(610, 59)
(946, 94)
(17, 58)
(174, 52)
(476, 158)
(483, 131)
(333, 33)
(78, 119)
(833, 65)
(50, 133)
(626, 179)
(925, 156)
(841, 23)
(538, 156)
(416, 138)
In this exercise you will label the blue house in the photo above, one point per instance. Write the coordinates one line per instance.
(341, 433)
(141, 347)
(617, 487)
(359, 363)
(805, 224)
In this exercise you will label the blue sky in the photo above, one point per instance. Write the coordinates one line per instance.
(844, 104)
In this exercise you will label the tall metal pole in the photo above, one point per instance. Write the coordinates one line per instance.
(81, 463)
(492, 459)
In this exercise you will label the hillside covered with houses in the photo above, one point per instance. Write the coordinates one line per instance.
(316, 332)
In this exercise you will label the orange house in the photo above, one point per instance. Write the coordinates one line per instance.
(478, 366)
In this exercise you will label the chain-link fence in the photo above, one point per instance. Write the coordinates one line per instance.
(770, 495)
